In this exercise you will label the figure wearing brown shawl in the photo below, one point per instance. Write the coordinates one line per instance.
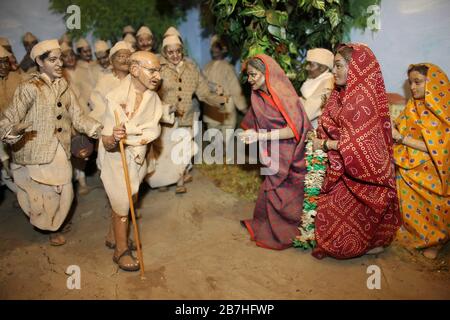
(275, 107)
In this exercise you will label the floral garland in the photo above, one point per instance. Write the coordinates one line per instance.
(316, 162)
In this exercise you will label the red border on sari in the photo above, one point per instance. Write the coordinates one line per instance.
(259, 244)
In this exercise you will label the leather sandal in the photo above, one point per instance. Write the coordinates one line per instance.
(180, 189)
(127, 267)
(131, 245)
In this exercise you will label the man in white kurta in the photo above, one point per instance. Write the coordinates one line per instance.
(220, 72)
(316, 90)
(85, 73)
(29, 40)
(103, 64)
(8, 84)
(138, 110)
(144, 39)
(181, 79)
(84, 78)
(119, 55)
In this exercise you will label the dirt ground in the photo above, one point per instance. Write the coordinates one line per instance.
(195, 248)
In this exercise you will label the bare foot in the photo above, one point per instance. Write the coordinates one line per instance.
(431, 252)
(180, 190)
(57, 239)
(375, 250)
(83, 190)
(188, 178)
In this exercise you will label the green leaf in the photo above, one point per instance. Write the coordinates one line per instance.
(255, 49)
(277, 18)
(285, 59)
(234, 26)
(231, 5)
(319, 4)
(278, 32)
(293, 48)
(264, 42)
(301, 3)
(257, 11)
(333, 17)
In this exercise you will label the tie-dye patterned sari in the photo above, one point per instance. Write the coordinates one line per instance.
(358, 208)
(423, 177)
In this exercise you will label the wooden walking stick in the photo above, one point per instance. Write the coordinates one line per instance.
(130, 199)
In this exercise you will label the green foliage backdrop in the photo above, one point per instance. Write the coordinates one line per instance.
(106, 18)
(284, 29)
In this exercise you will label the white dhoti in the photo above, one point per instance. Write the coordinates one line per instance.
(177, 148)
(113, 178)
(45, 192)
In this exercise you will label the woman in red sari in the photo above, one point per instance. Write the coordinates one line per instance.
(276, 108)
(358, 209)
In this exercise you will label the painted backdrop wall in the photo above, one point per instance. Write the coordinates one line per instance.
(412, 31)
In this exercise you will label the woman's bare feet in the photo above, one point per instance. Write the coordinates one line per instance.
(431, 252)
(57, 239)
(375, 250)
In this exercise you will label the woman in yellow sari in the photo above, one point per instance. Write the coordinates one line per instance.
(422, 157)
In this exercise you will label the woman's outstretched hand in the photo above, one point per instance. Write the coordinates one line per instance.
(249, 136)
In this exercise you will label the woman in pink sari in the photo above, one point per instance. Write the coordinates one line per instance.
(358, 208)
(276, 114)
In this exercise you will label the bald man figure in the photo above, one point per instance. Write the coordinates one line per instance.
(139, 109)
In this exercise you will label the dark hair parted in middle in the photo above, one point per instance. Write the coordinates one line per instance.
(346, 52)
(420, 68)
(257, 64)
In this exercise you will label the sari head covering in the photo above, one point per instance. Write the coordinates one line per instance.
(284, 96)
(423, 177)
(358, 209)
(277, 211)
